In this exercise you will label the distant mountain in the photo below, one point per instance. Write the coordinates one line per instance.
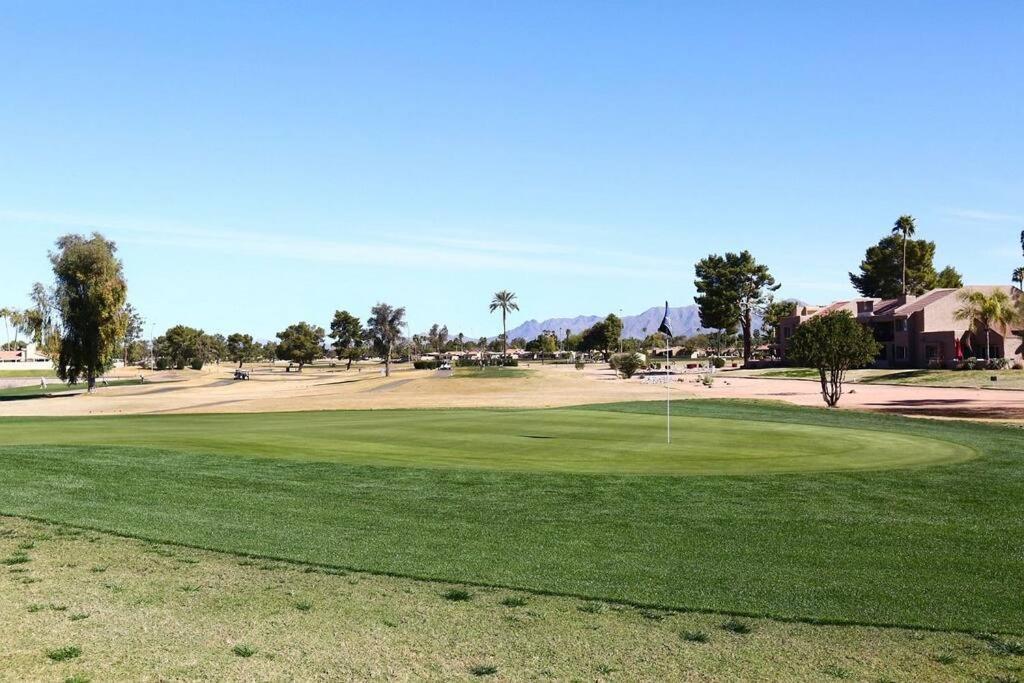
(684, 320)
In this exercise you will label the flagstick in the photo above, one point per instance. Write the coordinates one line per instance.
(668, 399)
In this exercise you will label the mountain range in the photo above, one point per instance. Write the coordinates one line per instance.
(684, 320)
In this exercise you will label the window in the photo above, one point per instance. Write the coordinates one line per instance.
(787, 332)
(901, 353)
(901, 325)
(931, 352)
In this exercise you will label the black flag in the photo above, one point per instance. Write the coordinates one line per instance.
(665, 329)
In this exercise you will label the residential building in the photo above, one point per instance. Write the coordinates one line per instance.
(919, 331)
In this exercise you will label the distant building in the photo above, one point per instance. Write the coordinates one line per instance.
(29, 354)
(918, 331)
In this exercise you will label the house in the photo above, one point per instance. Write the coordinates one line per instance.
(919, 331)
(29, 354)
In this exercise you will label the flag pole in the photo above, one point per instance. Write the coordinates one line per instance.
(668, 398)
(666, 330)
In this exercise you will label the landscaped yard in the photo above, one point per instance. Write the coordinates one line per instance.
(755, 509)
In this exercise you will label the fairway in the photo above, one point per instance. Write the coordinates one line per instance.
(555, 440)
(754, 509)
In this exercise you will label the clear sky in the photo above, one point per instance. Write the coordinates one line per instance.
(262, 163)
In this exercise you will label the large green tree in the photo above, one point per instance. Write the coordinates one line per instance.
(90, 295)
(602, 336)
(385, 329)
(181, 345)
(504, 301)
(881, 271)
(300, 343)
(347, 333)
(241, 348)
(731, 289)
(833, 344)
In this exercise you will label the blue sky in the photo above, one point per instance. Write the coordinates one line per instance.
(263, 163)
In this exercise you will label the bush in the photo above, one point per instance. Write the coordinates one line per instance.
(197, 364)
(426, 364)
(935, 364)
(179, 365)
(718, 362)
(969, 364)
(998, 364)
(1017, 365)
(163, 364)
(580, 365)
(626, 364)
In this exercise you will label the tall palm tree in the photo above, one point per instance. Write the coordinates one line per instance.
(987, 311)
(1018, 277)
(506, 301)
(385, 329)
(5, 313)
(905, 226)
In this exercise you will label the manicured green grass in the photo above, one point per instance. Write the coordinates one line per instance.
(56, 387)
(473, 497)
(7, 373)
(557, 440)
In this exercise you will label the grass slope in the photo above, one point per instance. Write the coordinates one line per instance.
(136, 611)
(937, 547)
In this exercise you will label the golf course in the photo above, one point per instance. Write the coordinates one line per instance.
(755, 509)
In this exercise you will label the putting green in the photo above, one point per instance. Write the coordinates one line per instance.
(555, 440)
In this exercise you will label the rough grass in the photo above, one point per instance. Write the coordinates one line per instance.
(365, 625)
(936, 547)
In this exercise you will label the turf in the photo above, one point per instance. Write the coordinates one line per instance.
(936, 546)
(14, 373)
(36, 391)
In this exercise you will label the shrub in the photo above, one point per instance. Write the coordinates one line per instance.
(998, 364)
(969, 363)
(627, 364)
(719, 363)
(196, 364)
(163, 364)
(935, 364)
(426, 364)
(580, 365)
(1017, 365)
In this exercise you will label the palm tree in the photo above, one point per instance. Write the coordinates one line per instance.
(385, 328)
(506, 301)
(905, 226)
(1018, 277)
(987, 310)
(5, 313)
